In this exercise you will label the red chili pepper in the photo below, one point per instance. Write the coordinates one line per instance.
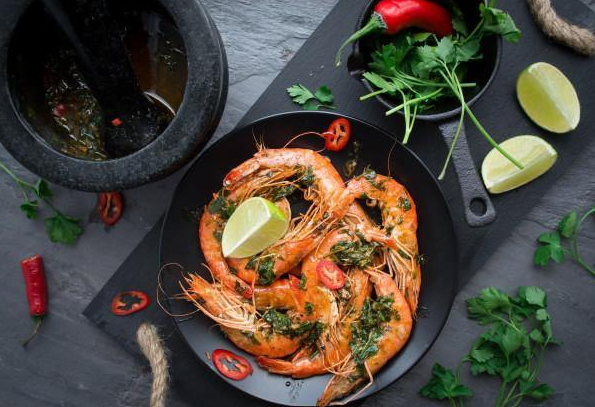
(116, 122)
(337, 135)
(59, 110)
(231, 365)
(330, 274)
(37, 292)
(110, 206)
(392, 16)
(129, 302)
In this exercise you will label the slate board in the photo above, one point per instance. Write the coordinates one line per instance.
(312, 66)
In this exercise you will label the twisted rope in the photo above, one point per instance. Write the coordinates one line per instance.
(579, 39)
(152, 347)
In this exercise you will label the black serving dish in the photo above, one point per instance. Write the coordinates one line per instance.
(479, 210)
(180, 251)
(190, 77)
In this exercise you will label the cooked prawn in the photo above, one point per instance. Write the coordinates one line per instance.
(237, 319)
(394, 337)
(322, 185)
(399, 219)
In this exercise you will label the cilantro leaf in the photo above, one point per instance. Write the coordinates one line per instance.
(63, 229)
(299, 93)
(568, 224)
(42, 189)
(444, 385)
(539, 392)
(498, 22)
(446, 50)
(324, 95)
(533, 295)
(30, 209)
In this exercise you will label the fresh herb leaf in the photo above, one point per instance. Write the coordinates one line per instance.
(322, 97)
(519, 332)
(309, 308)
(222, 206)
(498, 22)
(283, 324)
(59, 228)
(63, 229)
(30, 209)
(444, 384)
(558, 244)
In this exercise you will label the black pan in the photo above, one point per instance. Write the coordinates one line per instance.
(479, 210)
(179, 244)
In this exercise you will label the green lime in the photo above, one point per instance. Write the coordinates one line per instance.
(255, 225)
(500, 175)
(548, 98)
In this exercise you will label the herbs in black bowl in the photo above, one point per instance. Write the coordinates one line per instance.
(420, 69)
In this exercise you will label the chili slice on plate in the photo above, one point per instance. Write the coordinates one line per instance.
(129, 302)
(337, 135)
(230, 365)
(110, 206)
(330, 274)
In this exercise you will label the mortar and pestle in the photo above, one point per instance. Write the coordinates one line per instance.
(105, 95)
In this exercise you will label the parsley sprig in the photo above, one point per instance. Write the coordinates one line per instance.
(60, 228)
(322, 97)
(421, 69)
(551, 246)
(512, 348)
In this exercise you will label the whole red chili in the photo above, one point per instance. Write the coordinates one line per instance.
(110, 206)
(392, 16)
(36, 290)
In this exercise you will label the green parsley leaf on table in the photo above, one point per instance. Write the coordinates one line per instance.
(59, 227)
(512, 348)
(322, 97)
(562, 243)
(444, 384)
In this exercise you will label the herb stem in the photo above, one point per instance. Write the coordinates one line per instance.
(371, 95)
(412, 101)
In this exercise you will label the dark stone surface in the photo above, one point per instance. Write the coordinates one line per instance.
(72, 363)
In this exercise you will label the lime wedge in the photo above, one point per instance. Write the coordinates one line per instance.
(548, 98)
(500, 175)
(255, 225)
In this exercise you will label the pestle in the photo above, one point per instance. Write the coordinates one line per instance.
(104, 61)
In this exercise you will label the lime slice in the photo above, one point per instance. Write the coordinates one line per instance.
(548, 98)
(255, 225)
(500, 175)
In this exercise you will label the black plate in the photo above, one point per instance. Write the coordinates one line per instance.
(179, 244)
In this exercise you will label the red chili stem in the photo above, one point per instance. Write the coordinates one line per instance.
(38, 321)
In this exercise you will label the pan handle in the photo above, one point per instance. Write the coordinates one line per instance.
(479, 210)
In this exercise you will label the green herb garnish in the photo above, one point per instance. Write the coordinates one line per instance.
(309, 308)
(306, 177)
(266, 274)
(60, 228)
(314, 334)
(278, 193)
(359, 253)
(420, 69)
(367, 330)
(550, 246)
(511, 349)
(303, 282)
(323, 97)
(222, 206)
(282, 324)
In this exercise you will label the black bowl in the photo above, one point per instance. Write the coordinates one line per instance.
(481, 72)
(25, 127)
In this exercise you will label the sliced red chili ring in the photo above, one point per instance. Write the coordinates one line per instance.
(110, 206)
(129, 302)
(116, 122)
(231, 365)
(330, 274)
(338, 134)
